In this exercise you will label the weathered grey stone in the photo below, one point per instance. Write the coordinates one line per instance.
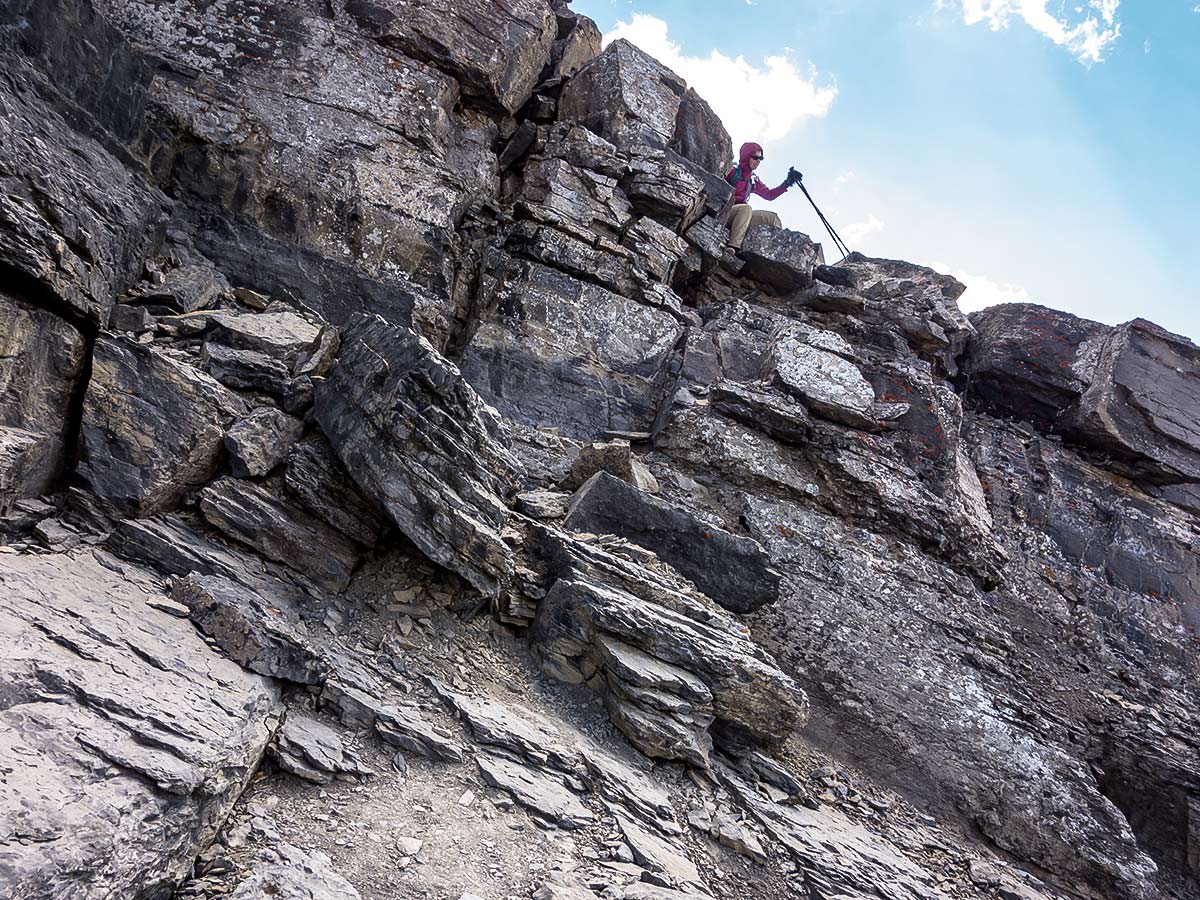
(264, 635)
(772, 412)
(317, 478)
(734, 571)
(778, 258)
(284, 872)
(599, 596)
(923, 303)
(625, 96)
(497, 66)
(261, 441)
(570, 354)
(614, 457)
(829, 385)
(185, 289)
(282, 335)
(134, 319)
(832, 849)
(516, 729)
(1140, 403)
(538, 791)
(175, 546)
(249, 370)
(344, 189)
(42, 359)
(580, 201)
(74, 221)
(21, 458)
(1029, 361)
(153, 427)
(407, 728)
(127, 738)
(260, 518)
(312, 750)
(578, 43)
(543, 504)
(599, 260)
(668, 188)
(659, 248)
(701, 136)
(666, 864)
(415, 436)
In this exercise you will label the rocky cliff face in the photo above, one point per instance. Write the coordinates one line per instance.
(400, 497)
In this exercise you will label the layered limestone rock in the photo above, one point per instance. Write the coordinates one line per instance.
(128, 737)
(340, 300)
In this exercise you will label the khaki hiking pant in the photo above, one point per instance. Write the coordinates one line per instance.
(741, 217)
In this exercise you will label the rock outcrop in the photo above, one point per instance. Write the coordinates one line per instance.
(376, 400)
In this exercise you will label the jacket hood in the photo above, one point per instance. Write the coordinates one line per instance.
(747, 150)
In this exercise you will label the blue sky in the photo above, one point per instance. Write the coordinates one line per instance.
(1039, 150)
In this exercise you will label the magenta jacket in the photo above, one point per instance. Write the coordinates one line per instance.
(745, 183)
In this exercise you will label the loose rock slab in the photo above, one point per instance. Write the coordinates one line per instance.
(734, 571)
(127, 738)
(415, 436)
(153, 426)
(535, 789)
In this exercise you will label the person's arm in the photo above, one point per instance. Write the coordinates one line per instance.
(770, 193)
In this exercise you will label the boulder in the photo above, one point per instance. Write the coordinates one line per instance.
(22, 455)
(261, 441)
(626, 96)
(566, 353)
(922, 302)
(701, 136)
(580, 201)
(1029, 361)
(317, 478)
(415, 437)
(284, 872)
(185, 289)
(406, 728)
(538, 791)
(127, 738)
(42, 359)
(780, 259)
(829, 385)
(281, 335)
(75, 222)
(734, 571)
(250, 370)
(658, 248)
(597, 597)
(666, 187)
(577, 44)
(764, 409)
(263, 635)
(258, 516)
(1141, 404)
(153, 427)
(613, 457)
(312, 750)
(497, 65)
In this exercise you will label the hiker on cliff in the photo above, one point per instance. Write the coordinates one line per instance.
(745, 183)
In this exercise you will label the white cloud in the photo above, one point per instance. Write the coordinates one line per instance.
(983, 291)
(761, 103)
(855, 234)
(1088, 31)
(842, 180)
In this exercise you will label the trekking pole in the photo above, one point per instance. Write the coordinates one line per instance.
(837, 239)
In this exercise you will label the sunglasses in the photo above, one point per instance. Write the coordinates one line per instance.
(756, 157)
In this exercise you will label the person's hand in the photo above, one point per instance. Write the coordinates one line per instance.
(794, 177)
